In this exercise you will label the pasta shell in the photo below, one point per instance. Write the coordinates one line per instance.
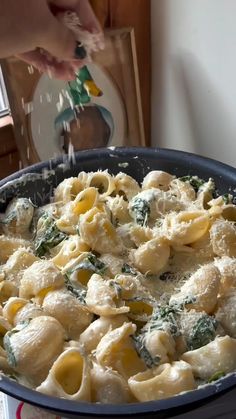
(202, 287)
(66, 308)
(32, 350)
(157, 179)
(69, 377)
(39, 279)
(151, 257)
(186, 227)
(218, 355)
(162, 382)
(109, 386)
(115, 350)
(68, 189)
(102, 298)
(103, 182)
(91, 337)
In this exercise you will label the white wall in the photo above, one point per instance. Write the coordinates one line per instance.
(194, 76)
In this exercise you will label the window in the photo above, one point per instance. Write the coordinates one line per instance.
(4, 107)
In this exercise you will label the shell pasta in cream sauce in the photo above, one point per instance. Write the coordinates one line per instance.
(119, 292)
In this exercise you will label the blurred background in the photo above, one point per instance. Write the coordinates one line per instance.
(193, 76)
(186, 64)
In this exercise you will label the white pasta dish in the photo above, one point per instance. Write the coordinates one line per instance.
(116, 292)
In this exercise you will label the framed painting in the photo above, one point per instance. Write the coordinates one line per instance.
(100, 108)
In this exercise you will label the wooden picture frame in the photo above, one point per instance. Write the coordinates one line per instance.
(118, 61)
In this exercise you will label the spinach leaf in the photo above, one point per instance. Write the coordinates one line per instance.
(194, 181)
(78, 291)
(227, 198)
(180, 306)
(12, 216)
(141, 210)
(9, 350)
(19, 205)
(127, 269)
(90, 263)
(165, 318)
(216, 376)
(7, 342)
(203, 332)
(97, 265)
(139, 343)
(48, 236)
(117, 288)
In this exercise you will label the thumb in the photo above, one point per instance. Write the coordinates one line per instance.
(61, 43)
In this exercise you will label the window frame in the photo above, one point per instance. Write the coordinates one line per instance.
(3, 93)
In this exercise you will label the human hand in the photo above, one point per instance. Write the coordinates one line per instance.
(27, 27)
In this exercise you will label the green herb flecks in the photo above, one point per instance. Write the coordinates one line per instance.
(78, 291)
(216, 376)
(165, 318)
(12, 216)
(48, 236)
(141, 210)
(7, 342)
(90, 263)
(117, 288)
(203, 332)
(139, 342)
(127, 269)
(19, 327)
(194, 181)
(96, 264)
(227, 198)
(179, 306)
(19, 205)
(9, 350)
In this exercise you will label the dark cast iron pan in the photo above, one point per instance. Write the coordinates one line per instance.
(136, 162)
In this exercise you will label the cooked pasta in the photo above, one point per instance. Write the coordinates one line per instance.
(108, 386)
(116, 292)
(69, 377)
